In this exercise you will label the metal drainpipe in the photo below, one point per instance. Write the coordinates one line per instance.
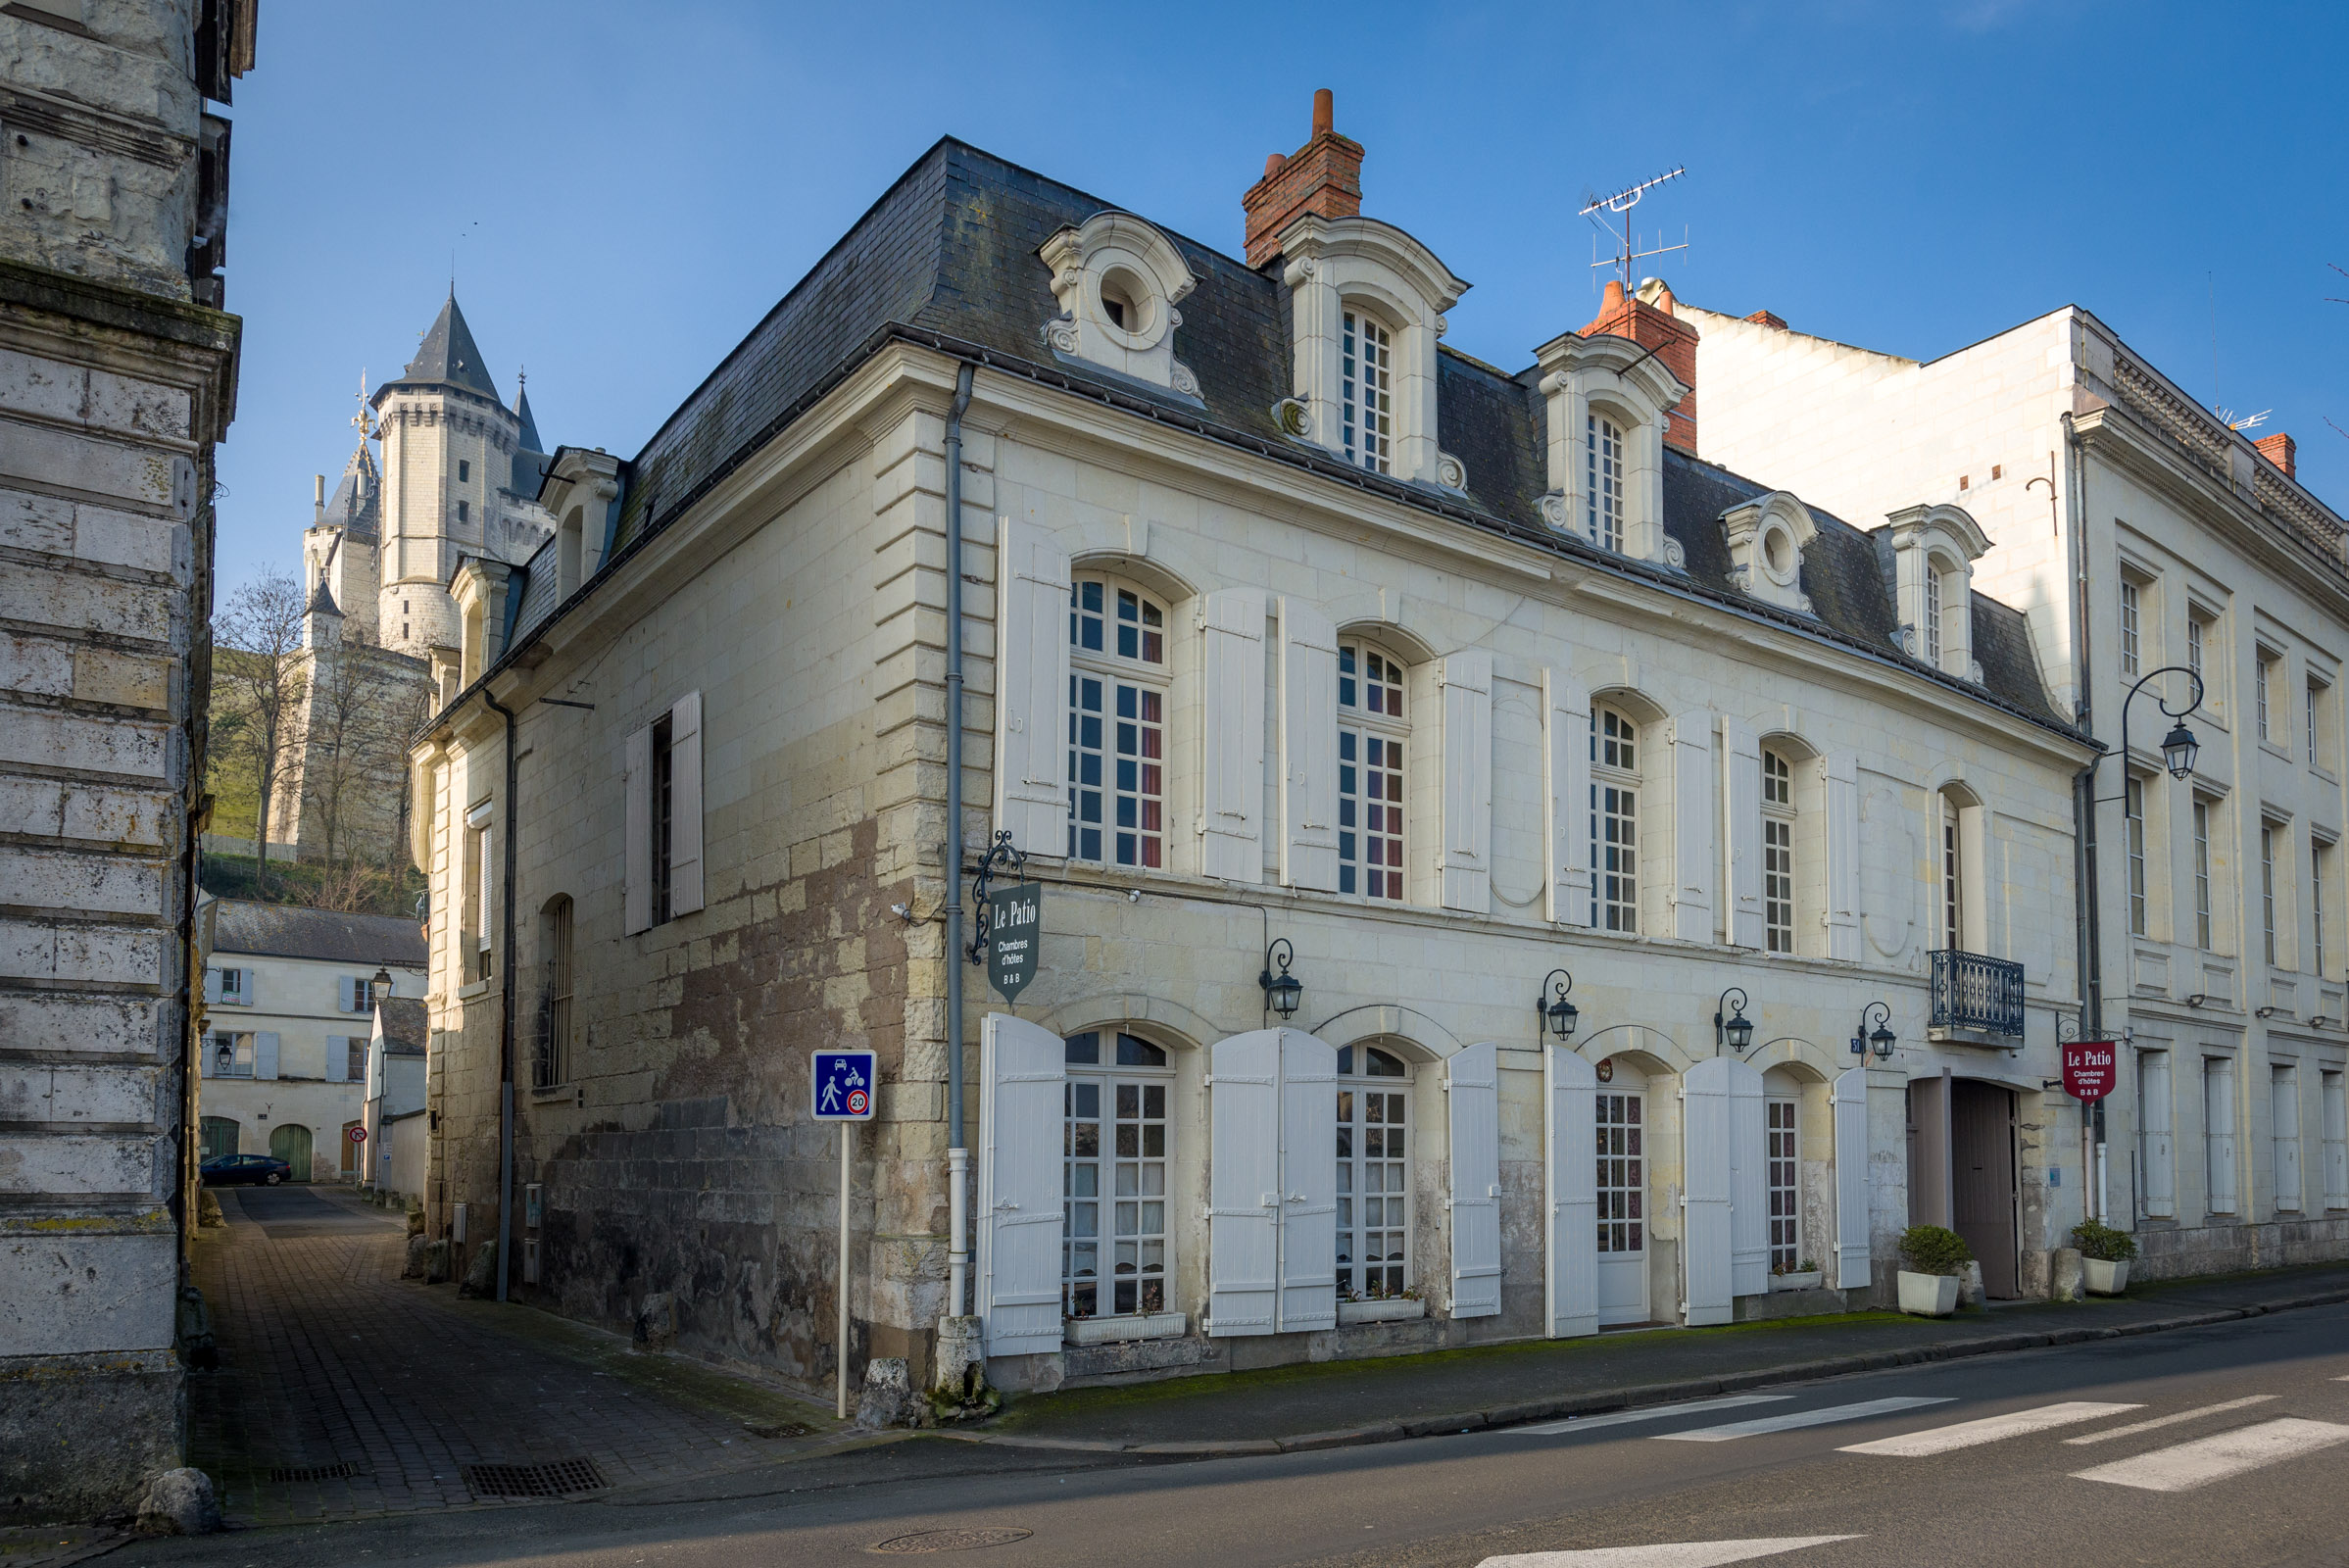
(958, 1153)
(2092, 924)
(506, 1020)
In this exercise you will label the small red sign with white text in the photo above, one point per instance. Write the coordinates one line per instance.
(2088, 1068)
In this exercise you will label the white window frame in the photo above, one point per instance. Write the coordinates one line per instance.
(1953, 874)
(2133, 812)
(1778, 880)
(1360, 1278)
(1615, 745)
(1604, 477)
(239, 994)
(2132, 646)
(480, 956)
(241, 1051)
(2263, 666)
(2320, 857)
(2197, 635)
(1103, 681)
(1931, 631)
(1622, 1125)
(1366, 390)
(2267, 889)
(1783, 1150)
(1363, 730)
(2203, 925)
(1107, 1080)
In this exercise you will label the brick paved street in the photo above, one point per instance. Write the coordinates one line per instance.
(345, 1390)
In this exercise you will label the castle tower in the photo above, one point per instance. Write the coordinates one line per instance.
(341, 549)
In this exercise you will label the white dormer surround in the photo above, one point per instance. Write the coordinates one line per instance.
(1607, 401)
(1118, 279)
(1767, 537)
(1384, 278)
(1934, 548)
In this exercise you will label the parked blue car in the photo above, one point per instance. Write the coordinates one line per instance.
(228, 1170)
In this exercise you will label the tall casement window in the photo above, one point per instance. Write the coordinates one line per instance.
(1786, 1196)
(2267, 889)
(1115, 1142)
(1116, 724)
(2263, 678)
(2319, 867)
(2316, 709)
(1604, 483)
(1374, 1176)
(1953, 877)
(2197, 633)
(2131, 644)
(1621, 1182)
(1366, 393)
(1932, 629)
(2133, 812)
(2202, 875)
(664, 818)
(552, 1065)
(1614, 821)
(1778, 851)
(1371, 730)
(479, 877)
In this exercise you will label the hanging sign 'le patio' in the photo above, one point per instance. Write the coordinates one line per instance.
(2088, 1068)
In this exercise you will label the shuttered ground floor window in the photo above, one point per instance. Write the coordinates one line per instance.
(1621, 1180)
(1785, 1187)
(1114, 1247)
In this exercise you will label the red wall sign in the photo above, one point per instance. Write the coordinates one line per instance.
(2088, 1068)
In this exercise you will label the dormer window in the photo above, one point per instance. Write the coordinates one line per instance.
(1766, 538)
(1117, 280)
(1607, 400)
(1366, 374)
(1603, 478)
(1933, 550)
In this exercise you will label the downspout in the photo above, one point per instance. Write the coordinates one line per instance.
(957, 1153)
(506, 1020)
(2084, 810)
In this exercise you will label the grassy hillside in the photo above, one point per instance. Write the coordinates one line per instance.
(361, 890)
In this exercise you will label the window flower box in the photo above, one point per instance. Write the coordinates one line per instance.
(1388, 1309)
(1130, 1326)
(1808, 1280)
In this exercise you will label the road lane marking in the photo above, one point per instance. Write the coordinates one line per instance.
(2194, 1464)
(1798, 1418)
(2161, 1421)
(1655, 1412)
(1989, 1429)
(1672, 1554)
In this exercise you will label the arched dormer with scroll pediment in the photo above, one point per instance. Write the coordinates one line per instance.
(1766, 537)
(1933, 550)
(1118, 280)
(1607, 400)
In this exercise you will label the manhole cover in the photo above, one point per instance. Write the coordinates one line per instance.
(950, 1539)
(559, 1477)
(315, 1472)
(778, 1429)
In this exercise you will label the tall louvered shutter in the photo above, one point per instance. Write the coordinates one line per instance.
(1022, 1072)
(264, 1054)
(1309, 749)
(1232, 735)
(346, 994)
(338, 1058)
(1031, 688)
(1566, 783)
(2217, 1102)
(1244, 1183)
(2284, 1098)
(2154, 1110)
(1571, 1270)
(636, 893)
(1741, 831)
(212, 985)
(685, 805)
(1308, 1184)
(1465, 855)
(1750, 1183)
(1841, 772)
(1706, 1193)
(1693, 816)
(1851, 1179)
(1472, 1094)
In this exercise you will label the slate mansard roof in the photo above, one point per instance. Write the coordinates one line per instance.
(405, 1025)
(949, 256)
(288, 931)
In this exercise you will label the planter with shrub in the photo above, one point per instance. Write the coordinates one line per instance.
(1936, 1256)
(2105, 1254)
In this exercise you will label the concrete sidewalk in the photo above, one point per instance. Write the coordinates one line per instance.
(1340, 1404)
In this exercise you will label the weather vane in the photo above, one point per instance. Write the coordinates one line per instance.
(1626, 249)
(365, 419)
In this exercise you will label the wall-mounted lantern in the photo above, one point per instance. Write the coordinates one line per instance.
(1284, 991)
(1730, 1023)
(1554, 1011)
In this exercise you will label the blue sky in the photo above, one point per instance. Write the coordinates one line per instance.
(627, 188)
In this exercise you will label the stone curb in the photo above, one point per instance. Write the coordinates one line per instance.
(1600, 1401)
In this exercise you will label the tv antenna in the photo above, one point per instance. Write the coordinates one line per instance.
(1627, 247)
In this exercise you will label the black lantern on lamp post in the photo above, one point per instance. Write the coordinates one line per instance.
(2179, 750)
(1730, 1023)
(1284, 991)
(1555, 1012)
(381, 985)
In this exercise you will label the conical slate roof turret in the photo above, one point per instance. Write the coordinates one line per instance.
(358, 504)
(522, 412)
(321, 603)
(449, 356)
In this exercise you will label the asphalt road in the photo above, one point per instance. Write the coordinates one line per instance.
(2221, 1446)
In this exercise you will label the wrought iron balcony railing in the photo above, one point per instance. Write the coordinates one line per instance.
(1974, 990)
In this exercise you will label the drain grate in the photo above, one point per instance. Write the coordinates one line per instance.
(950, 1539)
(559, 1477)
(778, 1429)
(315, 1472)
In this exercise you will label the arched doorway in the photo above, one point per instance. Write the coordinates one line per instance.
(219, 1136)
(1963, 1171)
(290, 1143)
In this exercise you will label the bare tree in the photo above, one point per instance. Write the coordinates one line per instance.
(256, 676)
(363, 704)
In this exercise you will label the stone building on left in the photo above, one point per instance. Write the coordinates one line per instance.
(117, 374)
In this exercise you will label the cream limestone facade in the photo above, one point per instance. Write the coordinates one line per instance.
(2138, 532)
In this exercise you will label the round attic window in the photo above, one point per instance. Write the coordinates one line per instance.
(1129, 303)
(1777, 553)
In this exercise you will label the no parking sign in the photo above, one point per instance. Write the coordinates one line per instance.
(842, 1082)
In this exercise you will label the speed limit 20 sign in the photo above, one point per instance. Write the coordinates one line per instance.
(842, 1082)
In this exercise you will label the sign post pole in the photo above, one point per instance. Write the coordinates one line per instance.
(2091, 1070)
(844, 1087)
(840, 1358)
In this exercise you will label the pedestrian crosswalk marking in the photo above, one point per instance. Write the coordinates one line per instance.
(1989, 1429)
(1668, 1554)
(1794, 1419)
(2194, 1464)
(2160, 1421)
(1654, 1412)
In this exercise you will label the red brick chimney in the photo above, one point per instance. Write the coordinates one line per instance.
(1653, 326)
(2280, 450)
(1767, 319)
(1324, 178)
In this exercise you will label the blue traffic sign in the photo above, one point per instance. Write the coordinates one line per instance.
(843, 1083)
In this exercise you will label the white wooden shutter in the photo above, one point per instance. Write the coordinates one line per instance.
(1566, 779)
(264, 1054)
(1232, 735)
(1472, 1093)
(2284, 1105)
(685, 805)
(1020, 1116)
(1841, 773)
(2154, 1112)
(1309, 749)
(1851, 1179)
(1464, 858)
(1693, 813)
(248, 989)
(1571, 1275)
(2218, 1099)
(1742, 832)
(636, 894)
(338, 1060)
(1308, 1184)
(1706, 1202)
(2336, 1141)
(1244, 1183)
(1031, 688)
(1750, 1183)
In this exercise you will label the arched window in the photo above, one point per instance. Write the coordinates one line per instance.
(1778, 851)
(1114, 1257)
(1957, 854)
(1371, 730)
(1614, 820)
(1116, 724)
(1366, 392)
(1604, 483)
(554, 1064)
(1374, 1174)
